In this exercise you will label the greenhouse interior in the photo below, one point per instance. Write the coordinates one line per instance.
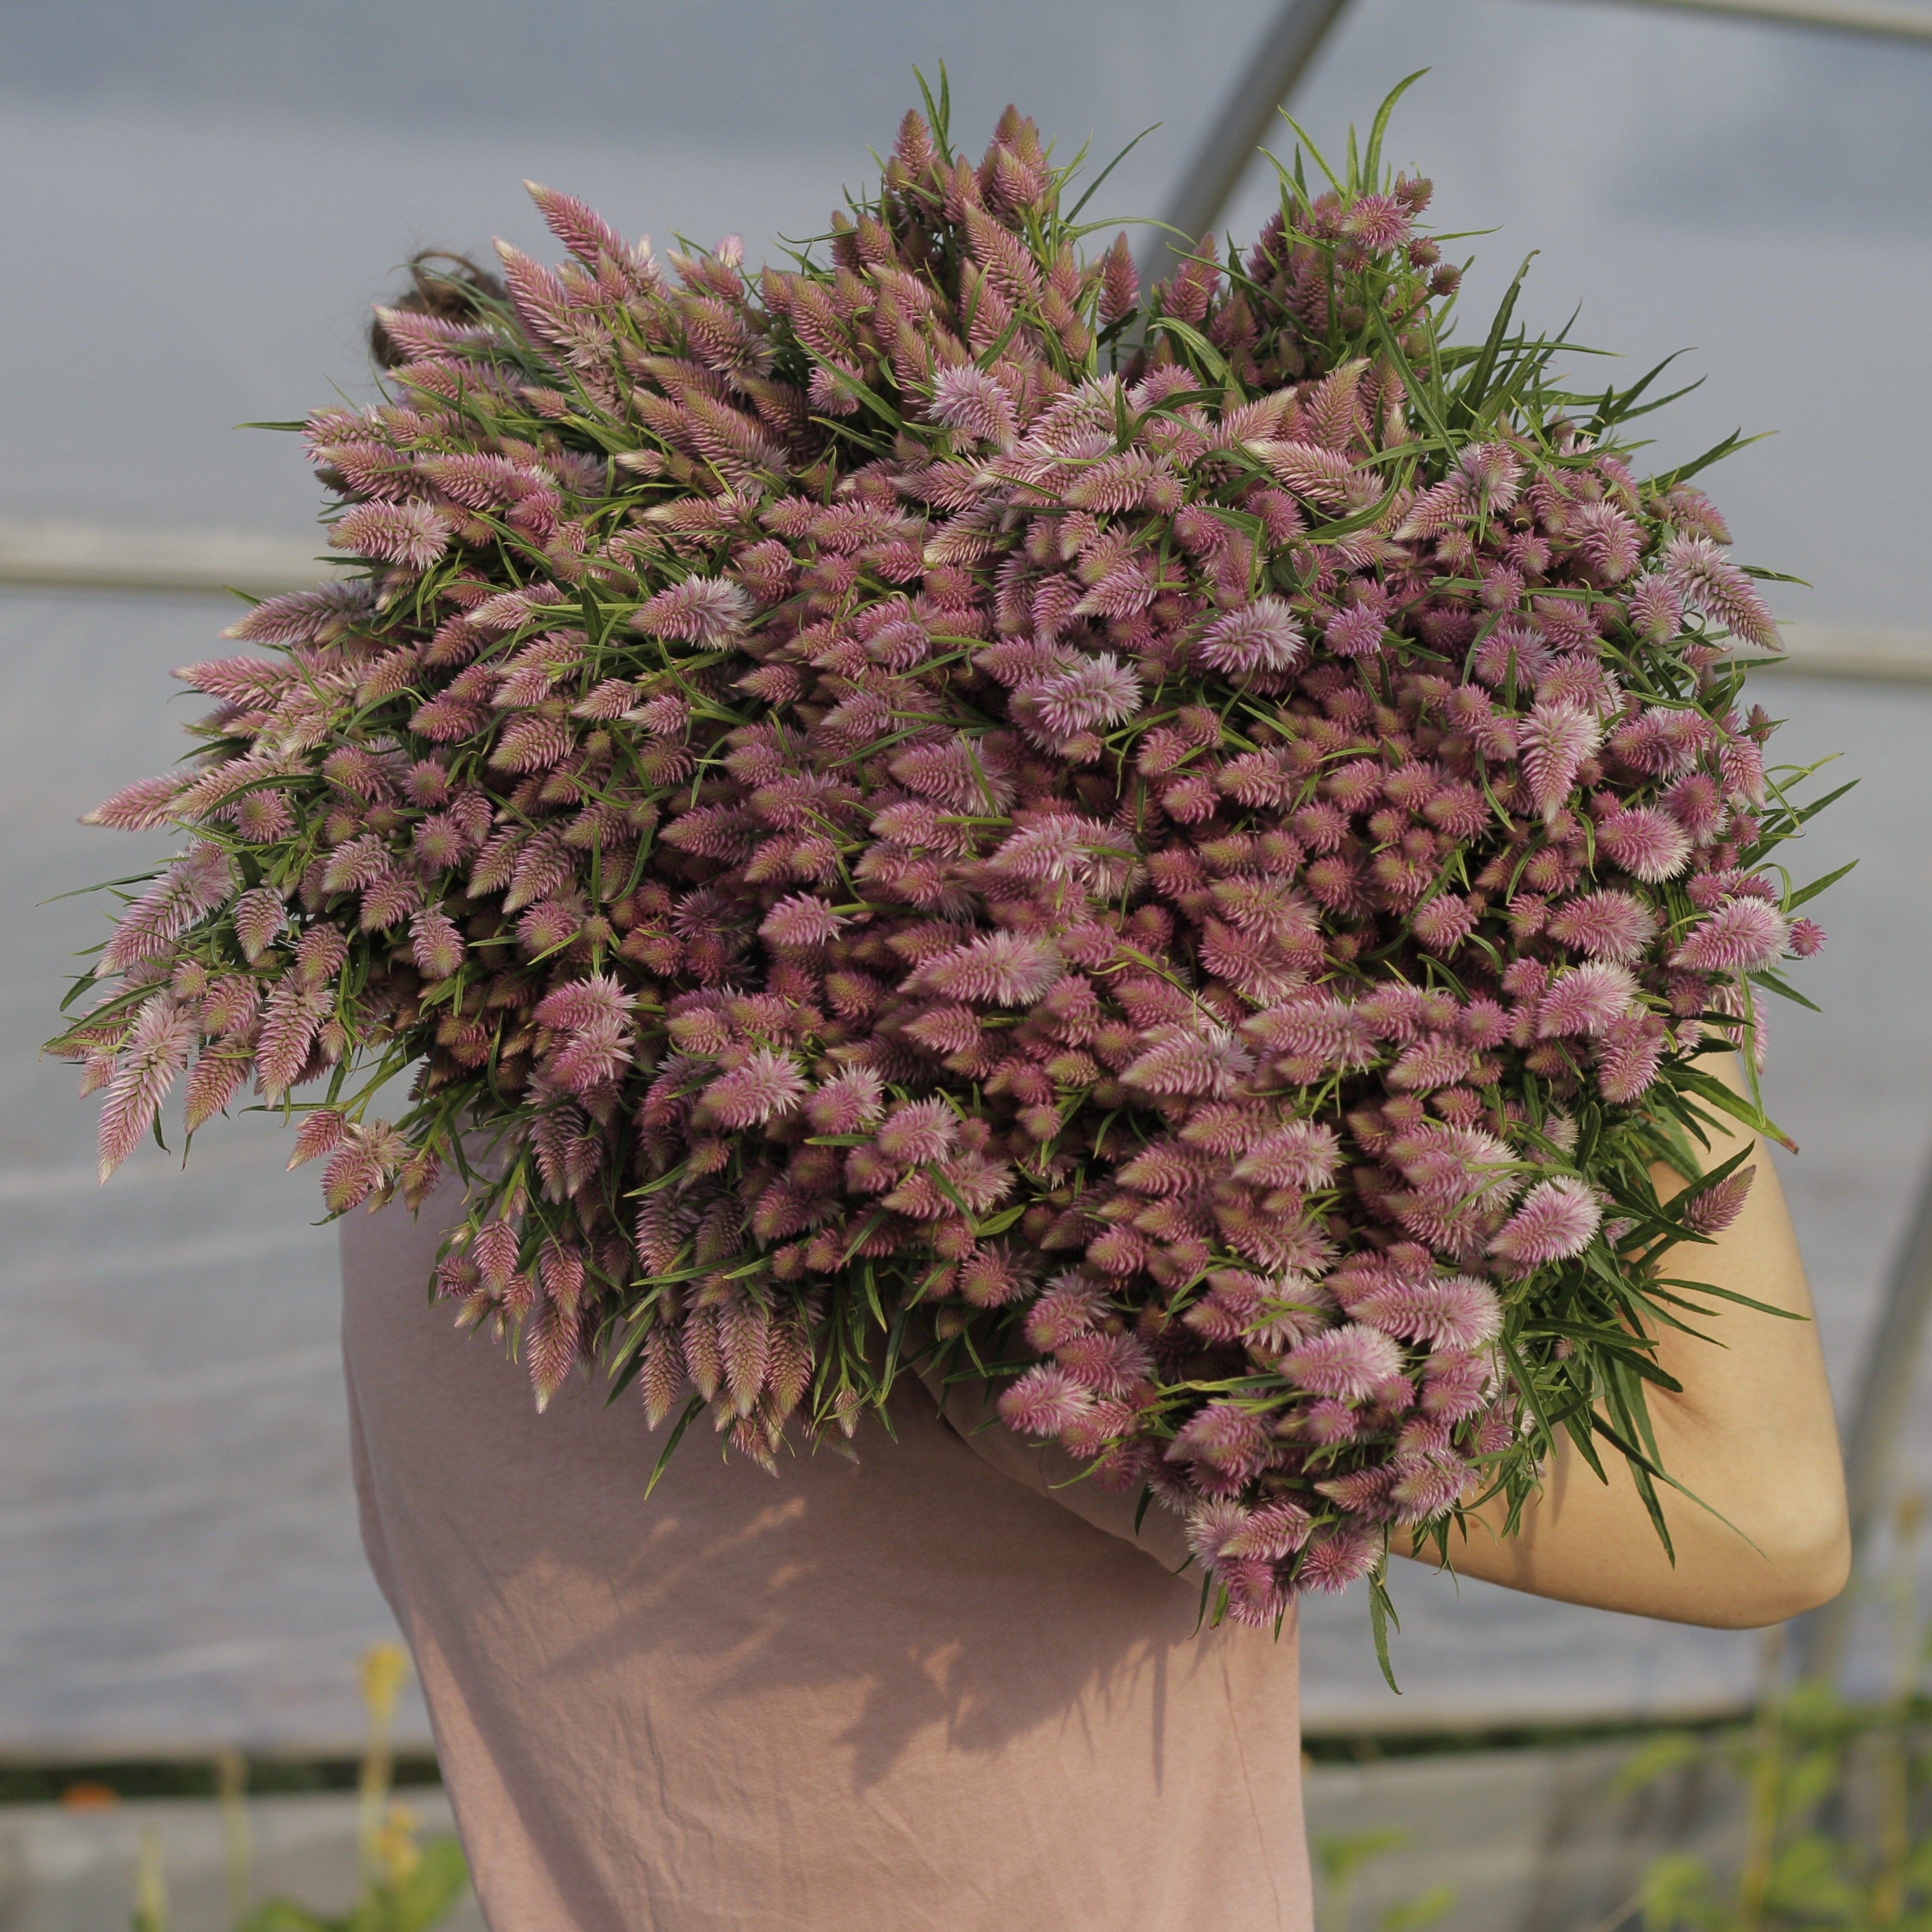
(211, 194)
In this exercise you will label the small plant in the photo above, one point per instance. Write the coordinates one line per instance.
(1341, 1860)
(1838, 1829)
(407, 1885)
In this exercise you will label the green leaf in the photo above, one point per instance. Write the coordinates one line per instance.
(1805, 893)
(1672, 1751)
(1073, 213)
(1677, 1890)
(433, 1891)
(283, 1914)
(1474, 388)
(692, 1409)
(1339, 1856)
(1192, 339)
(1382, 1619)
(1731, 445)
(1372, 158)
(1708, 1087)
(1773, 983)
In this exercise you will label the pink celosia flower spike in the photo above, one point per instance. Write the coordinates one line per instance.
(968, 399)
(1348, 1363)
(1706, 579)
(1584, 1001)
(1649, 844)
(1558, 1218)
(1712, 1210)
(155, 1054)
(767, 1084)
(700, 610)
(1556, 739)
(1744, 936)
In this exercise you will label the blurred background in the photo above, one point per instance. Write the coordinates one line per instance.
(204, 197)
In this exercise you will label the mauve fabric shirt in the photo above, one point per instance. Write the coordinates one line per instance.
(913, 1690)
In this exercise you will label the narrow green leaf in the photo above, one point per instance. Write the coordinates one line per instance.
(692, 1409)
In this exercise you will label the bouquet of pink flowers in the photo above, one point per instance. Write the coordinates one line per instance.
(1177, 851)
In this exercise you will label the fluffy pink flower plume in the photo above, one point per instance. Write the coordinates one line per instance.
(967, 398)
(1611, 926)
(1556, 739)
(1647, 843)
(936, 803)
(1262, 636)
(1712, 1210)
(1349, 1363)
(1558, 1218)
(1586, 1000)
(1743, 936)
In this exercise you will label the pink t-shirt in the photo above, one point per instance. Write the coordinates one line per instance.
(914, 1690)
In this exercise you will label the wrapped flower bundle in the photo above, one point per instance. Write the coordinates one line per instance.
(1177, 851)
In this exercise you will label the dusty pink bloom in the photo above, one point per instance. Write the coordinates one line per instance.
(321, 1129)
(918, 1130)
(1712, 1210)
(1441, 925)
(1096, 691)
(1629, 1055)
(769, 1084)
(1556, 739)
(1610, 926)
(190, 888)
(1334, 1558)
(1223, 1436)
(1348, 1363)
(436, 943)
(847, 1102)
(415, 534)
(1181, 1060)
(1743, 936)
(1647, 843)
(701, 609)
(802, 920)
(584, 233)
(969, 399)
(140, 806)
(1607, 540)
(1006, 969)
(1261, 636)
(156, 1052)
(859, 778)
(259, 917)
(1304, 1154)
(1447, 1311)
(1586, 1000)
(1044, 1401)
(1558, 1218)
(581, 1005)
(1426, 1485)
(1708, 581)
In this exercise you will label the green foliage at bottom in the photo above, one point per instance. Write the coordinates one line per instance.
(408, 1884)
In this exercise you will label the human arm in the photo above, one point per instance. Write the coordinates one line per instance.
(1752, 1436)
(1048, 1471)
